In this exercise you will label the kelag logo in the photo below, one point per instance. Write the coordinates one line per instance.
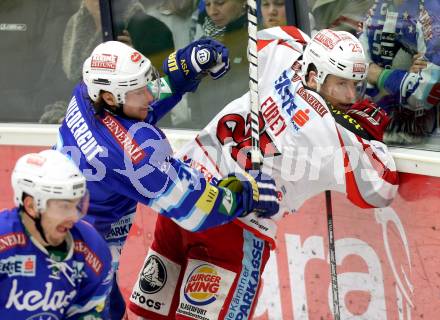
(202, 285)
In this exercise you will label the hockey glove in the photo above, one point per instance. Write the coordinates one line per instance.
(258, 193)
(372, 118)
(186, 67)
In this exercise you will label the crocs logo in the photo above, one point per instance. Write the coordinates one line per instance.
(153, 276)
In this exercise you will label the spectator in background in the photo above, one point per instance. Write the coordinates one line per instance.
(176, 15)
(401, 39)
(343, 15)
(273, 13)
(31, 75)
(226, 21)
(221, 16)
(54, 113)
(131, 25)
(83, 32)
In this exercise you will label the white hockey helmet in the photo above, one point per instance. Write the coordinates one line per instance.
(335, 52)
(118, 68)
(48, 175)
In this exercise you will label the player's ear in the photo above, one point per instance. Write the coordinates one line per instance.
(30, 206)
(311, 80)
(109, 98)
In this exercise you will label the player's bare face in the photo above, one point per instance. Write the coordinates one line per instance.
(339, 92)
(58, 219)
(137, 103)
(222, 12)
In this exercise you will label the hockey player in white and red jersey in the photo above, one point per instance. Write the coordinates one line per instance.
(53, 265)
(310, 142)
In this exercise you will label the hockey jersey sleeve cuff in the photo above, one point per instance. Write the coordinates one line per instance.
(390, 80)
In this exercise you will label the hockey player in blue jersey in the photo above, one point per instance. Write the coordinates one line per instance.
(53, 265)
(402, 40)
(109, 131)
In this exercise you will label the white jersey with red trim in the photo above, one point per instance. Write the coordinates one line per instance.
(305, 149)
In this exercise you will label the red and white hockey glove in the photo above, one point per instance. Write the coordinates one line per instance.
(372, 118)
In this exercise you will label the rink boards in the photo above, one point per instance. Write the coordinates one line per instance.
(388, 259)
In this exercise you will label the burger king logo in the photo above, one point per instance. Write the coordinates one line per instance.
(202, 285)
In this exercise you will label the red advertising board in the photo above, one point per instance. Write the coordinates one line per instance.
(387, 259)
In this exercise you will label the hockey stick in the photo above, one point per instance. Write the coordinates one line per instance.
(253, 83)
(332, 254)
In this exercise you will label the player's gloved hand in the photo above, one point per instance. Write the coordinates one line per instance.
(372, 118)
(258, 192)
(186, 67)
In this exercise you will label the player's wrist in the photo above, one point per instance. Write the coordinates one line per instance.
(383, 76)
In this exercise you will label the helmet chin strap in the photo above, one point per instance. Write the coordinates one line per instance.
(40, 228)
(318, 86)
(38, 225)
(120, 111)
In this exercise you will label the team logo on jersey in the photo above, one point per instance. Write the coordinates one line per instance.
(74, 274)
(202, 285)
(43, 316)
(153, 276)
(18, 265)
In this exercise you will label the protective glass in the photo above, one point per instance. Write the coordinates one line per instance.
(145, 96)
(342, 92)
(154, 85)
(63, 208)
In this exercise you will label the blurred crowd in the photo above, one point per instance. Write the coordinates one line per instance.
(400, 37)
